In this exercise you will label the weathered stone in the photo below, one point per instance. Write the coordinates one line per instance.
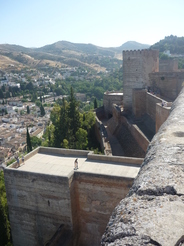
(152, 212)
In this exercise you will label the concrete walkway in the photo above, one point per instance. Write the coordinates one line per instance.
(64, 166)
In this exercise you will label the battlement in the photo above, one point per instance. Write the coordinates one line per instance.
(140, 53)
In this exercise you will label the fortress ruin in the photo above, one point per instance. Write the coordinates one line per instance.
(51, 204)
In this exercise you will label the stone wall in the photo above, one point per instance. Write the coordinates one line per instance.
(139, 137)
(38, 205)
(162, 113)
(152, 212)
(169, 84)
(139, 102)
(111, 98)
(136, 68)
(96, 197)
(151, 101)
(169, 65)
(74, 209)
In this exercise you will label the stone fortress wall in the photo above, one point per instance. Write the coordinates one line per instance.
(151, 213)
(169, 65)
(169, 84)
(111, 98)
(136, 67)
(74, 208)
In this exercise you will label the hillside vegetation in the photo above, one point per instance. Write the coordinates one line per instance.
(173, 43)
(64, 54)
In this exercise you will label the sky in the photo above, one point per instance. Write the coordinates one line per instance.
(106, 23)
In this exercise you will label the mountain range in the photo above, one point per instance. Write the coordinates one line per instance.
(63, 54)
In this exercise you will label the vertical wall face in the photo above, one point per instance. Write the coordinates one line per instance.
(111, 98)
(38, 205)
(162, 113)
(168, 65)
(96, 197)
(168, 83)
(138, 102)
(136, 68)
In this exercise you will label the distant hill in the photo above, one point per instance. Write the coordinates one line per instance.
(132, 45)
(173, 43)
(64, 53)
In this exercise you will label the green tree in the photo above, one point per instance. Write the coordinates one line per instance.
(1, 93)
(3, 88)
(95, 104)
(28, 110)
(42, 110)
(28, 140)
(35, 142)
(5, 235)
(41, 99)
(61, 126)
(7, 94)
(82, 140)
(74, 118)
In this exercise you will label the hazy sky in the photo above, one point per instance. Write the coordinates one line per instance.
(106, 23)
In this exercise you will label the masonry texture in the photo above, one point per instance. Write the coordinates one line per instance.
(49, 202)
(136, 67)
(152, 212)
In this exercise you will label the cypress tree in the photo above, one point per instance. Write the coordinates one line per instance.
(95, 104)
(1, 93)
(28, 110)
(42, 110)
(73, 115)
(61, 126)
(28, 139)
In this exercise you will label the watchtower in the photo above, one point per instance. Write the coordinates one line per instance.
(137, 64)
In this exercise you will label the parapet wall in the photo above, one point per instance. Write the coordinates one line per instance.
(168, 83)
(169, 65)
(147, 103)
(151, 101)
(111, 98)
(162, 113)
(152, 212)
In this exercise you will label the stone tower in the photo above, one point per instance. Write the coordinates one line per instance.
(137, 65)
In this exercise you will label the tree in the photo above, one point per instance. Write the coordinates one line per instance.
(41, 99)
(29, 146)
(73, 115)
(3, 88)
(28, 110)
(35, 142)
(95, 104)
(5, 235)
(61, 126)
(82, 141)
(42, 110)
(1, 93)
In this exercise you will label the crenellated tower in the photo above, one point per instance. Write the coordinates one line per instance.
(137, 64)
